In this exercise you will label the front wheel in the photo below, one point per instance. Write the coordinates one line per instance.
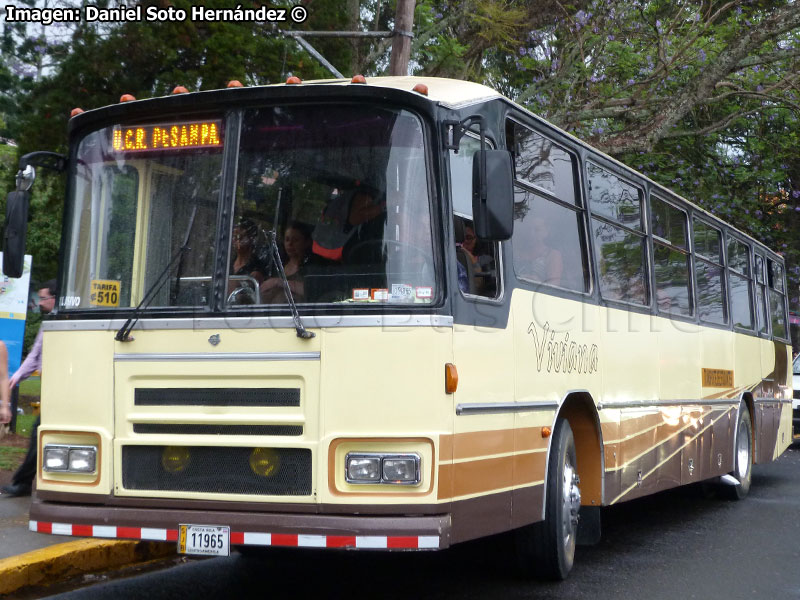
(743, 459)
(547, 549)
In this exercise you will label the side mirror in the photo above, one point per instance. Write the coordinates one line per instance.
(493, 195)
(17, 204)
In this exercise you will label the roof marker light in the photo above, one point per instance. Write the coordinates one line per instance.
(293, 80)
(75, 112)
(234, 83)
(358, 79)
(421, 88)
(127, 98)
(179, 89)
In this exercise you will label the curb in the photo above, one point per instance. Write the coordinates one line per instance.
(63, 561)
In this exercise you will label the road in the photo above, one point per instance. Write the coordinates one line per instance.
(678, 544)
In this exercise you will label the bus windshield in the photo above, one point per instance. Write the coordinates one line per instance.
(342, 189)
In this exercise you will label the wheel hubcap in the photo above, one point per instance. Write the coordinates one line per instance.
(571, 500)
(742, 453)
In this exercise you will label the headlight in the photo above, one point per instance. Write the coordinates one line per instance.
(82, 460)
(69, 459)
(401, 469)
(363, 469)
(56, 458)
(377, 467)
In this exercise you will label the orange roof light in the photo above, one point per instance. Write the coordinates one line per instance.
(293, 80)
(179, 89)
(234, 83)
(421, 88)
(127, 98)
(358, 79)
(450, 378)
(75, 112)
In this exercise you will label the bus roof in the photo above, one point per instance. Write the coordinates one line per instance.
(449, 92)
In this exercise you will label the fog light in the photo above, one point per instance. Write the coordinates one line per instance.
(264, 461)
(361, 468)
(401, 469)
(174, 459)
(82, 460)
(56, 458)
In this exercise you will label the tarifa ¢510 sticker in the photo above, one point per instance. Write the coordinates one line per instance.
(104, 293)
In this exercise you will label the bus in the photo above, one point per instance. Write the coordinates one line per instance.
(389, 313)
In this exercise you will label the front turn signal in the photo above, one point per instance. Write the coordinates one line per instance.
(450, 378)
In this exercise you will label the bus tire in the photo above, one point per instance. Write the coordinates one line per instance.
(743, 457)
(547, 549)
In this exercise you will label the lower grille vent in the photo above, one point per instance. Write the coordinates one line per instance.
(217, 397)
(265, 471)
(200, 429)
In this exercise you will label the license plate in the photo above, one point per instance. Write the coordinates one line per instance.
(204, 540)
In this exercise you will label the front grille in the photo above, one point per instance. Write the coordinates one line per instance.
(217, 470)
(216, 397)
(797, 394)
(201, 429)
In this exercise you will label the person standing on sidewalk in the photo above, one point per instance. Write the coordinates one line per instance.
(22, 480)
(5, 390)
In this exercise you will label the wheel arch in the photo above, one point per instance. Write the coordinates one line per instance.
(580, 411)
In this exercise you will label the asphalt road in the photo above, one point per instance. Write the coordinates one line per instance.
(678, 544)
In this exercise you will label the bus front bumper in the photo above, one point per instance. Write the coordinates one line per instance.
(303, 530)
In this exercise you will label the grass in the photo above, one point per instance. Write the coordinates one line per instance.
(10, 458)
(31, 387)
(24, 425)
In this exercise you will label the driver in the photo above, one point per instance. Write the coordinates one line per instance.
(344, 226)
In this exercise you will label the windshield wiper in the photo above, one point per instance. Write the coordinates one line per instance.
(123, 335)
(302, 332)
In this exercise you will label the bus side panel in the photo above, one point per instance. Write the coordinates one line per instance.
(556, 350)
(480, 477)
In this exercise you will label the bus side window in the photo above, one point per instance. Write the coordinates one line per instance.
(761, 295)
(740, 281)
(777, 300)
(619, 236)
(477, 265)
(548, 240)
(708, 270)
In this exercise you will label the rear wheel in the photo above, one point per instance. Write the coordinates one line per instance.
(547, 549)
(743, 459)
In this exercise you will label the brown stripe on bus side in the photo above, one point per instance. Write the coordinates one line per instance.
(490, 474)
(475, 444)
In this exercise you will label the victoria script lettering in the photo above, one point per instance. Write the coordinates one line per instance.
(563, 355)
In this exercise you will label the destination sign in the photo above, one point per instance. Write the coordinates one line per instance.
(167, 136)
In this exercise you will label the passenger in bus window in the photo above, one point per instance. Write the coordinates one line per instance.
(297, 248)
(541, 261)
(244, 263)
(479, 267)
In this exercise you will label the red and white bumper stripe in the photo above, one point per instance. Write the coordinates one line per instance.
(248, 538)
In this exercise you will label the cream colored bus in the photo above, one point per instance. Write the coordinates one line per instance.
(398, 313)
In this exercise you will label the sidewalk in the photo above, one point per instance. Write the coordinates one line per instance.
(28, 558)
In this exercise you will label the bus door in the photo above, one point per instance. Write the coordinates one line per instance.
(484, 440)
